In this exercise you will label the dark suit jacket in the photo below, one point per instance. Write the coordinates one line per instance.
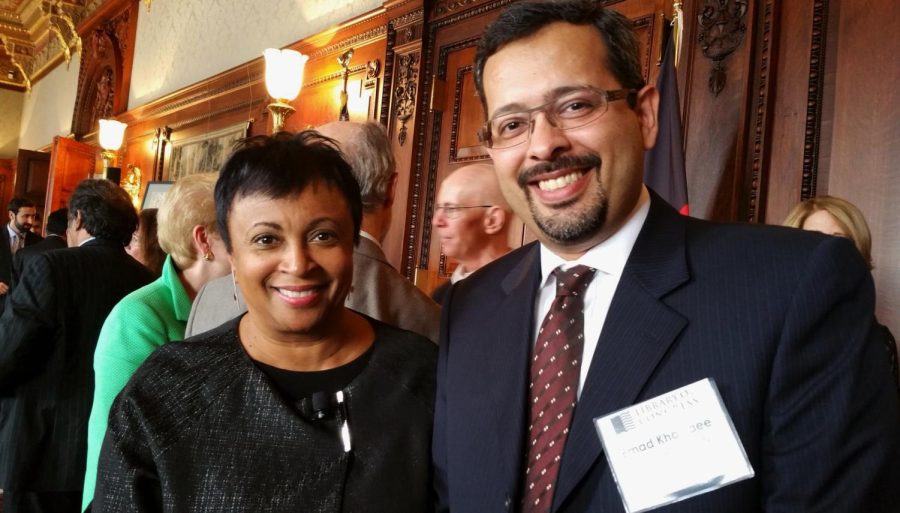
(47, 339)
(780, 318)
(6, 257)
(49, 243)
(440, 292)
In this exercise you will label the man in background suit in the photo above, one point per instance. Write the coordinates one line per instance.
(378, 290)
(472, 221)
(780, 320)
(55, 239)
(13, 237)
(49, 332)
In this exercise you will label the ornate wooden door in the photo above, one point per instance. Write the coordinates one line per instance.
(70, 163)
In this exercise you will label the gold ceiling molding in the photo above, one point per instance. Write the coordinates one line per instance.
(37, 35)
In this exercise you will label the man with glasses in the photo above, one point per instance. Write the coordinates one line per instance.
(471, 220)
(622, 300)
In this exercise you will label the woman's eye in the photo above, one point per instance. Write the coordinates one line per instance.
(263, 240)
(324, 236)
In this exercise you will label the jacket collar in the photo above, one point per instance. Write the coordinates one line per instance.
(638, 331)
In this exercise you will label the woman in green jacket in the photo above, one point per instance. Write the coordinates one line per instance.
(157, 313)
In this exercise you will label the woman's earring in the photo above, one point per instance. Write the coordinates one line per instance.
(233, 287)
(208, 256)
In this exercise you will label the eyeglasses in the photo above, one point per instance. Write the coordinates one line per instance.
(574, 109)
(454, 211)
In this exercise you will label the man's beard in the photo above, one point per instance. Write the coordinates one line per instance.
(568, 227)
(22, 228)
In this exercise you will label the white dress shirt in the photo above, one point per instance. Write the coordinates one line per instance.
(608, 258)
(13, 240)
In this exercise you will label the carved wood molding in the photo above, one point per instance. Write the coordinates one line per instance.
(418, 180)
(387, 86)
(321, 79)
(454, 124)
(756, 185)
(405, 90)
(434, 154)
(722, 31)
(814, 101)
(444, 7)
(649, 21)
(350, 42)
(105, 71)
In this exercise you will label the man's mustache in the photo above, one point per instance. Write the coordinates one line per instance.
(566, 161)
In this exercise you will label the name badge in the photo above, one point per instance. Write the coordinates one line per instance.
(672, 447)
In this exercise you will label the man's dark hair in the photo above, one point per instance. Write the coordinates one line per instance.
(19, 202)
(523, 19)
(280, 165)
(57, 221)
(106, 210)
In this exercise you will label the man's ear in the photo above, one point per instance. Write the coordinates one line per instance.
(391, 191)
(494, 220)
(12, 215)
(78, 223)
(647, 108)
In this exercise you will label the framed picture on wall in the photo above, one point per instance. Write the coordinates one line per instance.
(154, 193)
(205, 152)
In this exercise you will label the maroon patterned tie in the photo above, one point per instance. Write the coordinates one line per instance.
(555, 370)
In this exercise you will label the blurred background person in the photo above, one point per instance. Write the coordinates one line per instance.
(156, 314)
(48, 334)
(144, 246)
(472, 220)
(378, 290)
(298, 405)
(835, 216)
(13, 237)
(55, 239)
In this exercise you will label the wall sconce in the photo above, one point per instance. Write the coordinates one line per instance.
(344, 61)
(112, 133)
(284, 77)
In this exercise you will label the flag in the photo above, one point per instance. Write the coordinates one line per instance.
(664, 163)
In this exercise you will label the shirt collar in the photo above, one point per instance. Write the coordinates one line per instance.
(609, 256)
(86, 241)
(459, 274)
(12, 231)
(367, 235)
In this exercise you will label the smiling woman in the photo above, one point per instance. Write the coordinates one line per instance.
(283, 408)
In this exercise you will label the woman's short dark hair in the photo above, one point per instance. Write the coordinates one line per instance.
(280, 165)
(523, 19)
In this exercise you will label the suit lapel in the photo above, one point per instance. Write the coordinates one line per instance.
(638, 331)
(505, 350)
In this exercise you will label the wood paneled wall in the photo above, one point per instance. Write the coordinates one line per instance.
(780, 101)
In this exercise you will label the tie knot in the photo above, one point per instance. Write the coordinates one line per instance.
(574, 281)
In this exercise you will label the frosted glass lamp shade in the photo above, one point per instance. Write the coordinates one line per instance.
(111, 134)
(284, 73)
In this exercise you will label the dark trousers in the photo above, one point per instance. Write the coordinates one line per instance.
(14, 501)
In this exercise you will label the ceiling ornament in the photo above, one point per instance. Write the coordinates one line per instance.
(37, 35)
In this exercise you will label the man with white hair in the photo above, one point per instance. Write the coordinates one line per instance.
(472, 220)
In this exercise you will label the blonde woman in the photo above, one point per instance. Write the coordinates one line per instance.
(156, 314)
